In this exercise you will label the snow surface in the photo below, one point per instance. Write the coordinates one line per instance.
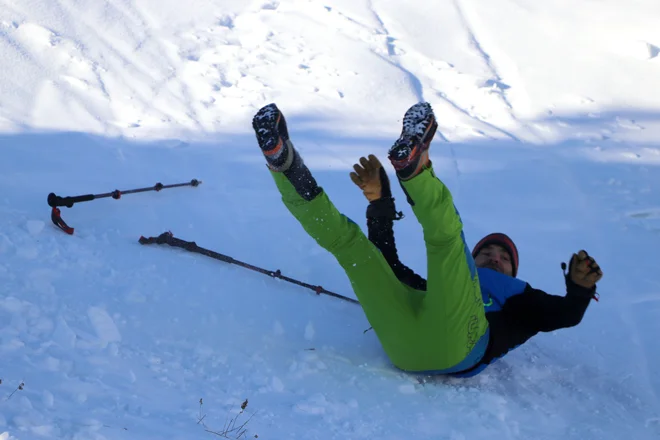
(549, 118)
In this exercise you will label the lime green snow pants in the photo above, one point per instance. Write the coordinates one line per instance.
(441, 330)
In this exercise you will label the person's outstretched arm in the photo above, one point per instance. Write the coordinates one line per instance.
(371, 178)
(381, 214)
(540, 311)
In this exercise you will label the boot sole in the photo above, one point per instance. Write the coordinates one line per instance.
(273, 137)
(265, 124)
(419, 127)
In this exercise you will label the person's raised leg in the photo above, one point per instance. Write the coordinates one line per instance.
(386, 302)
(453, 307)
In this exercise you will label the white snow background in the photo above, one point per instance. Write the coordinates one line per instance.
(549, 118)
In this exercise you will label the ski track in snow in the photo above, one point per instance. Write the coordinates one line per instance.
(102, 338)
(496, 80)
(417, 86)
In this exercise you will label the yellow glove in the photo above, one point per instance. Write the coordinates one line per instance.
(367, 177)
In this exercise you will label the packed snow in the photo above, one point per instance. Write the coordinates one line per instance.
(549, 120)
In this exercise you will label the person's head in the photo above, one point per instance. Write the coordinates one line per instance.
(498, 252)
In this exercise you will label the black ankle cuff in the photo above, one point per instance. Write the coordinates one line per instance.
(301, 178)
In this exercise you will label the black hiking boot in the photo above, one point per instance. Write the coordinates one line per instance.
(409, 154)
(273, 137)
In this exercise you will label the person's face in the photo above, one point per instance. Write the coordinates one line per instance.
(494, 257)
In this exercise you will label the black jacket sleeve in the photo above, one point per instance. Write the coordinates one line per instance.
(538, 311)
(381, 214)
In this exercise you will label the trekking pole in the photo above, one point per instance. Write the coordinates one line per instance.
(169, 239)
(54, 201)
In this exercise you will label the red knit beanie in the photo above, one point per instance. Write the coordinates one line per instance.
(502, 240)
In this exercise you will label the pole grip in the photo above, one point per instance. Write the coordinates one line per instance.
(55, 201)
